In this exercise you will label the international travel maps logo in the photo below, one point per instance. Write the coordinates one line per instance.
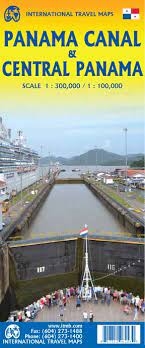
(12, 13)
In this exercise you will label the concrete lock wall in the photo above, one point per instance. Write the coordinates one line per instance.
(111, 256)
(126, 217)
(26, 217)
(4, 270)
(41, 260)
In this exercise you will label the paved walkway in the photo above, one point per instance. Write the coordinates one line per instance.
(16, 209)
(102, 312)
(134, 203)
(136, 207)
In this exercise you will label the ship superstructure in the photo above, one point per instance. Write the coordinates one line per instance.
(15, 156)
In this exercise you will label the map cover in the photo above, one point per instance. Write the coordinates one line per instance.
(72, 174)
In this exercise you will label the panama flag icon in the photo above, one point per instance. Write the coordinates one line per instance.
(131, 13)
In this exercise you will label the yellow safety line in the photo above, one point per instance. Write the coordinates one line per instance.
(117, 241)
(15, 237)
(41, 242)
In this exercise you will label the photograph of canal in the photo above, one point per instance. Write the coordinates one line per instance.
(66, 209)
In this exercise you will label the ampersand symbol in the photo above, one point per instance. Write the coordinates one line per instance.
(72, 54)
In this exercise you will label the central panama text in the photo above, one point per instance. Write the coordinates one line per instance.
(45, 68)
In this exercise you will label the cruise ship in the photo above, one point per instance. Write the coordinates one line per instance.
(15, 156)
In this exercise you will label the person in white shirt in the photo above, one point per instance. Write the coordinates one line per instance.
(91, 316)
(28, 313)
(85, 316)
(137, 301)
(105, 290)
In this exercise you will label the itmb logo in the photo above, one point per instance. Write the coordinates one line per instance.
(12, 13)
(12, 331)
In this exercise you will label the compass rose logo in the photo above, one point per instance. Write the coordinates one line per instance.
(12, 13)
(12, 330)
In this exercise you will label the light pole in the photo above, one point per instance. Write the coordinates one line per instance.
(126, 157)
(41, 163)
(101, 157)
(49, 164)
(96, 157)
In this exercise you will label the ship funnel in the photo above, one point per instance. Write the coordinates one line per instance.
(9, 133)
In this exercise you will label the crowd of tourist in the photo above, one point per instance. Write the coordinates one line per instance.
(60, 298)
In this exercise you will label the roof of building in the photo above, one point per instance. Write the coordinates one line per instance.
(131, 172)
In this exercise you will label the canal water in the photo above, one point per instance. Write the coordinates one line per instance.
(67, 208)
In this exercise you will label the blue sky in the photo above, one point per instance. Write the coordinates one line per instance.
(82, 129)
